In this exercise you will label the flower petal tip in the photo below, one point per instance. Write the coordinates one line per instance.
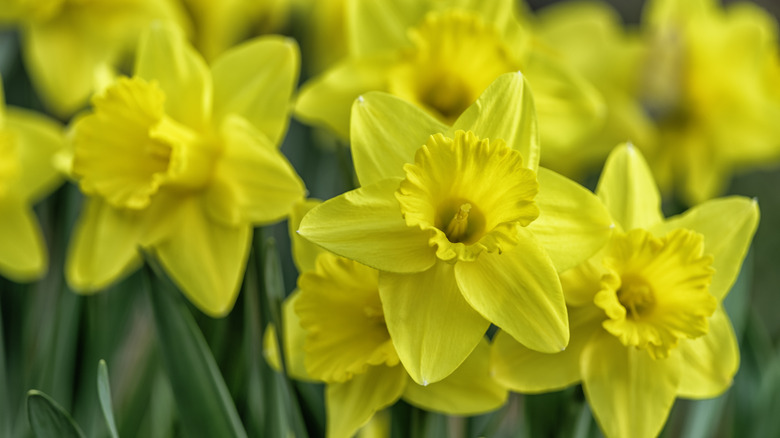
(360, 99)
(425, 382)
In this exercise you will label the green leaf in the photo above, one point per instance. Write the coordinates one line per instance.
(104, 393)
(48, 419)
(202, 399)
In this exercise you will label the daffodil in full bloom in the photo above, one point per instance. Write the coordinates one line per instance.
(590, 38)
(28, 143)
(711, 83)
(72, 48)
(441, 55)
(182, 161)
(464, 226)
(335, 333)
(646, 314)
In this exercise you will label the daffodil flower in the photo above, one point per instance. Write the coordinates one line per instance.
(183, 161)
(646, 315)
(441, 55)
(335, 332)
(73, 48)
(711, 83)
(464, 227)
(28, 144)
(590, 38)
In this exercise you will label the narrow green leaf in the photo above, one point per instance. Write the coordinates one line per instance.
(253, 347)
(48, 419)
(104, 393)
(203, 401)
(5, 406)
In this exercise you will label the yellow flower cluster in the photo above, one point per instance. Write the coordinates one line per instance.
(460, 268)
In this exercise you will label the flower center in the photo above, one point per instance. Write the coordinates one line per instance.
(657, 289)
(471, 193)
(340, 310)
(455, 56)
(128, 148)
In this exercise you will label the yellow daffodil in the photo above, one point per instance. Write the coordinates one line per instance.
(711, 83)
(182, 160)
(589, 37)
(72, 48)
(646, 314)
(28, 143)
(324, 39)
(696, 87)
(441, 55)
(462, 224)
(335, 333)
(219, 25)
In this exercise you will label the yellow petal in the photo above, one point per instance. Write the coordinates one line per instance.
(710, 361)
(529, 371)
(469, 390)
(253, 182)
(366, 225)
(64, 64)
(22, 252)
(581, 283)
(630, 393)
(568, 107)
(433, 328)
(351, 404)
(573, 223)
(38, 140)
(326, 100)
(386, 133)
(728, 225)
(104, 246)
(164, 55)
(256, 81)
(628, 190)
(304, 252)
(519, 291)
(505, 110)
(376, 26)
(205, 259)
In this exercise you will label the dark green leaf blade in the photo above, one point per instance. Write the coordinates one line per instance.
(48, 419)
(104, 393)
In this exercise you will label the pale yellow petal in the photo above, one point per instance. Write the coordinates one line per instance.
(22, 251)
(303, 251)
(469, 390)
(205, 259)
(433, 328)
(386, 133)
(327, 99)
(366, 225)
(629, 392)
(350, 405)
(165, 56)
(256, 81)
(104, 246)
(253, 182)
(505, 110)
(376, 26)
(628, 189)
(573, 223)
(38, 139)
(293, 339)
(519, 291)
(709, 363)
(524, 370)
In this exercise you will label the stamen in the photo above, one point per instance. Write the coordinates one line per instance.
(456, 229)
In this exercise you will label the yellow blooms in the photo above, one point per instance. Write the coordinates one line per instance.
(645, 313)
(441, 55)
(464, 227)
(73, 48)
(182, 161)
(28, 144)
